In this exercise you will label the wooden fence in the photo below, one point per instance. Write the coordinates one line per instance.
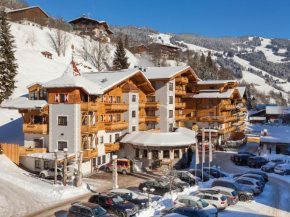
(11, 151)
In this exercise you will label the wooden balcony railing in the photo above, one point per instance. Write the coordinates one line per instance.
(35, 128)
(141, 104)
(241, 118)
(154, 131)
(152, 119)
(89, 154)
(182, 80)
(179, 117)
(241, 127)
(180, 92)
(24, 151)
(155, 105)
(229, 129)
(228, 107)
(142, 127)
(180, 105)
(90, 106)
(121, 125)
(116, 106)
(244, 109)
(89, 129)
(243, 100)
(142, 118)
(110, 147)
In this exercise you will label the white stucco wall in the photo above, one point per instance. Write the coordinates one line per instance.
(133, 106)
(29, 140)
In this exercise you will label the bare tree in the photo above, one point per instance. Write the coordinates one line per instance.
(98, 54)
(84, 51)
(170, 176)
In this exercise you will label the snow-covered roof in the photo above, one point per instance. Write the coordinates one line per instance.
(163, 72)
(181, 137)
(50, 156)
(23, 9)
(257, 118)
(213, 94)
(69, 80)
(276, 134)
(107, 80)
(277, 110)
(241, 90)
(23, 103)
(216, 81)
(34, 83)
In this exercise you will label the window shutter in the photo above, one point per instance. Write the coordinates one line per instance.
(110, 99)
(114, 99)
(56, 97)
(43, 120)
(31, 119)
(66, 98)
(104, 98)
(110, 118)
(104, 119)
(114, 117)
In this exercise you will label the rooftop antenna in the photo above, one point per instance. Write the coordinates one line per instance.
(89, 13)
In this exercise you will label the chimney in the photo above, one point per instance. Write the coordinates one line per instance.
(84, 15)
(265, 133)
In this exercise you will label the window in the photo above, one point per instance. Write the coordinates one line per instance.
(102, 98)
(166, 154)
(99, 160)
(170, 113)
(62, 98)
(38, 143)
(133, 98)
(133, 114)
(117, 137)
(104, 159)
(118, 99)
(42, 95)
(101, 139)
(170, 86)
(211, 125)
(110, 138)
(176, 154)
(154, 154)
(118, 117)
(37, 164)
(46, 165)
(33, 95)
(62, 145)
(145, 153)
(210, 113)
(171, 100)
(137, 153)
(210, 101)
(62, 120)
(133, 128)
(171, 127)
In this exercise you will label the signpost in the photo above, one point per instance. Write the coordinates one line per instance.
(210, 150)
(55, 166)
(203, 152)
(115, 172)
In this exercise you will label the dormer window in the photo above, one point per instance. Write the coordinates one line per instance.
(42, 95)
(34, 95)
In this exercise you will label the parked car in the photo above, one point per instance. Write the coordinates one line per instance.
(269, 167)
(215, 172)
(196, 202)
(140, 201)
(124, 166)
(230, 194)
(255, 186)
(83, 209)
(160, 187)
(113, 202)
(244, 193)
(187, 177)
(256, 162)
(50, 173)
(205, 177)
(242, 152)
(241, 159)
(265, 176)
(177, 182)
(282, 169)
(185, 211)
(213, 197)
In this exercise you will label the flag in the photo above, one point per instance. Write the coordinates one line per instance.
(210, 147)
(196, 154)
(203, 148)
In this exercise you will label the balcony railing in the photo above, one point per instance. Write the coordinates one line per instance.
(141, 104)
(243, 100)
(116, 106)
(229, 129)
(89, 106)
(142, 127)
(152, 119)
(110, 147)
(89, 129)
(89, 154)
(182, 80)
(244, 109)
(142, 118)
(228, 107)
(155, 105)
(241, 128)
(24, 151)
(180, 117)
(35, 128)
(180, 92)
(180, 105)
(111, 126)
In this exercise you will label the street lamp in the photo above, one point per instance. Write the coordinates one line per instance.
(55, 166)
(64, 166)
(115, 172)
(151, 190)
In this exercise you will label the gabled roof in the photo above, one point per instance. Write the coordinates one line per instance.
(242, 90)
(277, 110)
(24, 103)
(211, 94)
(129, 87)
(216, 82)
(23, 9)
(275, 134)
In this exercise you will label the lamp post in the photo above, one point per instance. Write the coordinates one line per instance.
(115, 172)
(55, 166)
(151, 190)
(64, 166)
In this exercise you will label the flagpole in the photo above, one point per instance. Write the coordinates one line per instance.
(203, 153)
(209, 149)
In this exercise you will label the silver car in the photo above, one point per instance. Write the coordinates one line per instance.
(230, 194)
(50, 173)
(216, 199)
(253, 184)
(269, 167)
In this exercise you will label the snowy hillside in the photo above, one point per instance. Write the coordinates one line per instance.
(33, 66)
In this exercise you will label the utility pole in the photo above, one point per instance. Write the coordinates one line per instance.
(64, 167)
(55, 166)
(115, 174)
(79, 175)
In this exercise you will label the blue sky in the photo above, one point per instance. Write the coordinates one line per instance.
(269, 18)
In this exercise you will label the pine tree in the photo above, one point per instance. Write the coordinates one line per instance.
(126, 42)
(120, 60)
(8, 66)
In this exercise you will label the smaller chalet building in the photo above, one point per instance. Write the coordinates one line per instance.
(30, 16)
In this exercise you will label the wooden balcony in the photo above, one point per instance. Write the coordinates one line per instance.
(241, 127)
(180, 92)
(179, 117)
(89, 154)
(154, 131)
(244, 109)
(110, 147)
(141, 104)
(116, 106)
(243, 100)
(142, 118)
(230, 119)
(142, 127)
(89, 129)
(152, 119)
(241, 118)
(24, 151)
(228, 107)
(152, 105)
(35, 128)
(89, 106)
(227, 130)
(181, 80)
(121, 125)
(180, 105)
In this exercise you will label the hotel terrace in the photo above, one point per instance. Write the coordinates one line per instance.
(151, 114)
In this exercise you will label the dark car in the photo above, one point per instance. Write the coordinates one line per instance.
(113, 202)
(186, 211)
(88, 209)
(253, 176)
(241, 159)
(215, 172)
(177, 183)
(265, 176)
(243, 152)
(256, 162)
(269, 167)
(205, 177)
(187, 177)
(244, 193)
(160, 187)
